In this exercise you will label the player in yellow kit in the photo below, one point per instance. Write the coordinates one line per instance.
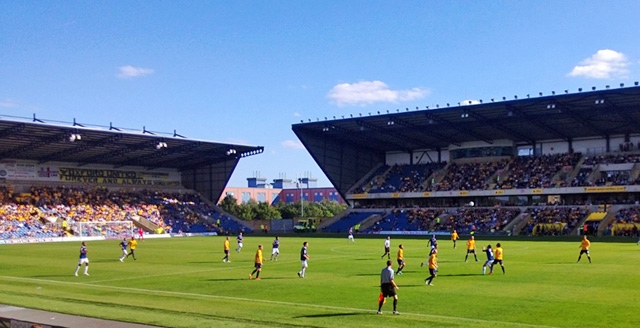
(257, 264)
(433, 267)
(226, 251)
(471, 248)
(498, 258)
(454, 237)
(584, 248)
(400, 259)
(132, 247)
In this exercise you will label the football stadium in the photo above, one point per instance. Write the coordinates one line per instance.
(535, 176)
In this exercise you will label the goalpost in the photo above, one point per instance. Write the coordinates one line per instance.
(106, 229)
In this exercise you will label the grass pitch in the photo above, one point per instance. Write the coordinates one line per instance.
(182, 282)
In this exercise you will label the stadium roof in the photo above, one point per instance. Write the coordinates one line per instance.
(34, 139)
(525, 121)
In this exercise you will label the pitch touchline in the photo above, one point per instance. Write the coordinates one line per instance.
(330, 307)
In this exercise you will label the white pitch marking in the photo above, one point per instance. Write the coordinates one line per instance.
(329, 307)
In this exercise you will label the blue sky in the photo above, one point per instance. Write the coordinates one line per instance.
(244, 71)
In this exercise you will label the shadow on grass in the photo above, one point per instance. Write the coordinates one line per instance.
(108, 261)
(367, 274)
(460, 275)
(247, 278)
(325, 315)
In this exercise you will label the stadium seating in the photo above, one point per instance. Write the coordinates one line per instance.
(553, 220)
(348, 221)
(43, 211)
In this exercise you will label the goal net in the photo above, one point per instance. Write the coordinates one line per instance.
(107, 229)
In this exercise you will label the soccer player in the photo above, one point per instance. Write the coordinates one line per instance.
(433, 267)
(239, 238)
(499, 253)
(304, 257)
(140, 234)
(584, 248)
(433, 242)
(275, 251)
(471, 248)
(132, 247)
(387, 248)
(226, 250)
(123, 245)
(489, 261)
(351, 235)
(388, 288)
(454, 237)
(257, 264)
(83, 259)
(400, 259)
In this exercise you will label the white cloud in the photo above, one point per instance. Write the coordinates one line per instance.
(604, 64)
(7, 103)
(369, 92)
(292, 144)
(296, 114)
(129, 72)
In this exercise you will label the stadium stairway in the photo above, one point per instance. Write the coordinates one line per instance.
(146, 225)
(370, 221)
(610, 217)
(328, 222)
(518, 223)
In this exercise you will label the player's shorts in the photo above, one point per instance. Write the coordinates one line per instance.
(83, 261)
(226, 252)
(387, 290)
(584, 251)
(258, 265)
(275, 251)
(400, 262)
(433, 272)
(350, 236)
(304, 263)
(473, 251)
(386, 249)
(488, 262)
(124, 252)
(240, 245)
(497, 262)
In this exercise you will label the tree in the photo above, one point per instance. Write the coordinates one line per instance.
(288, 211)
(230, 205)
(264, 211)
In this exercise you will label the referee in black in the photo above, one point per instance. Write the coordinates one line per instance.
(388, 287)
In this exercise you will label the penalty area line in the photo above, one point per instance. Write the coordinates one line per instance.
(288, 304)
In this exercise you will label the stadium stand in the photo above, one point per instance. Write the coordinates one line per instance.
(48, 211)
(554, 220)
(348, 221)
(468, 176)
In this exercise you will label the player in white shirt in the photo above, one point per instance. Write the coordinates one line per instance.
(351, 239)
(387, 248)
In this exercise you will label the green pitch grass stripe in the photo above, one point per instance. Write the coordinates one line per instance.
(328, 307)
(207, 270)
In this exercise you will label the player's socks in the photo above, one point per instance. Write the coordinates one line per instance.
(395, 304)
(258, 275)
